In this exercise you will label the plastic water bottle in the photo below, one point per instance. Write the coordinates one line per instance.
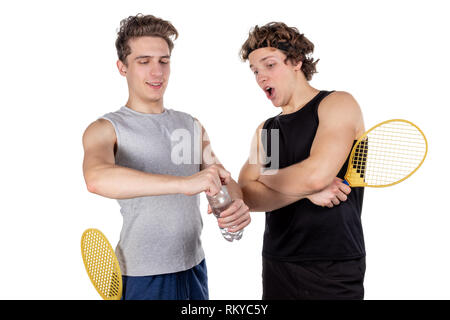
(220, 202)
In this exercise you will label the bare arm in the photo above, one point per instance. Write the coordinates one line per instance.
(340, 117)
(258, 196)
(107, 179)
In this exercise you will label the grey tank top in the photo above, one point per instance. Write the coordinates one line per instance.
(160, 234)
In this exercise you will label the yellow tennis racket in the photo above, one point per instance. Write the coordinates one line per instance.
(387, 154)
(101, 264)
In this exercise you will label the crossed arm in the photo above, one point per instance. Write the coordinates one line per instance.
(257, 195)
(340, 121)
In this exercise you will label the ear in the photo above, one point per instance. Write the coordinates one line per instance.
(122, 68)
(298, 66)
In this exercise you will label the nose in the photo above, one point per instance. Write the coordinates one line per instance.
(156, 70)
(261, 78)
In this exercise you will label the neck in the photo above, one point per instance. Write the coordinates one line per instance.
(302, 94)
(143, 106)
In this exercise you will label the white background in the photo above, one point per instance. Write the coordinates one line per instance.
(58, 75)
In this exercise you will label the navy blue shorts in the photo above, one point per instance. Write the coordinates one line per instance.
(191, 284)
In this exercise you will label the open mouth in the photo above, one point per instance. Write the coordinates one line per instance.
(154, 85)
(270, 92)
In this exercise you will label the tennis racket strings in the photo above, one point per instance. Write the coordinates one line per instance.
(387, 154)
(101, 264)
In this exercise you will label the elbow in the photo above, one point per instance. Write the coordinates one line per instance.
(247, 198)
(96, 187)
(316, 183)
(97, 182)
(91, 187)
(252, 207)
(243, 182)
(92, 183)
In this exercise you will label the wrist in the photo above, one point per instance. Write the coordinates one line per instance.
(180, 184)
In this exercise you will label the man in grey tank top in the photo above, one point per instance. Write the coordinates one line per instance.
(152, 160)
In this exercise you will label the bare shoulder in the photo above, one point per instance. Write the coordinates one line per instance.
(259, 129)
(340, 101)
(341, 107)
(258, 133)
(99, 131)
(256, 148)
(261, 125)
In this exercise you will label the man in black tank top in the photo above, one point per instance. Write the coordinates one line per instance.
(313, 241)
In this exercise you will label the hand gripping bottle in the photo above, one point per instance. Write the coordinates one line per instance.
(220, 202)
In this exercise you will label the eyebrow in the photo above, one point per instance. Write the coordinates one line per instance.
(144, 57)
(263, 59)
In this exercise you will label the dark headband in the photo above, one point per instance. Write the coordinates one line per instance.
(284, 46)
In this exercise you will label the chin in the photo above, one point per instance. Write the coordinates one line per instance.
(155, 97)
(150, 99)
(277, 105)
(277, 102)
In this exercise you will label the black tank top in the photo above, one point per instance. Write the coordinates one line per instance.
(302, 230)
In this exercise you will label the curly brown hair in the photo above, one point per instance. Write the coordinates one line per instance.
(288, 39)
(141, 26)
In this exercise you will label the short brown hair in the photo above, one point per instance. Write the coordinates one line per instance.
(141, 26)
(288, 39)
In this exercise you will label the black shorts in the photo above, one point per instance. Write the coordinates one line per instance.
(313, 280)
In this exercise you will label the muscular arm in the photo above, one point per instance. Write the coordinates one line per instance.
(339, 121)
(258, 196)
(105, 178)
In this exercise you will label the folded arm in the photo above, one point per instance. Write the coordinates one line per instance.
(340, 119)
(258, 196)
